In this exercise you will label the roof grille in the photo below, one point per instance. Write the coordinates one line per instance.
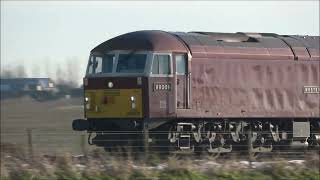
(228, 37)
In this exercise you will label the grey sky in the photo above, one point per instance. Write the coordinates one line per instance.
(38, 32)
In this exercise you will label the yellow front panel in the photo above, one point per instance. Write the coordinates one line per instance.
(113, 103)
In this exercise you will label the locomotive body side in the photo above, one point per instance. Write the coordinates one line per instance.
(232, 88)
(263, 86)
(267, 77)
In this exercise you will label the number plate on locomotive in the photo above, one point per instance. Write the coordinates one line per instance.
(311, 89)
(162, 86)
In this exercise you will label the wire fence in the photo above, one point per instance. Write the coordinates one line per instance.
(37, 142)
(46, 141)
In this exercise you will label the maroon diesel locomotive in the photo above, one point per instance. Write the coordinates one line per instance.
(215, 91)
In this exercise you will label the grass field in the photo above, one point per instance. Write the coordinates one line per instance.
(21, 113)
(49, 123)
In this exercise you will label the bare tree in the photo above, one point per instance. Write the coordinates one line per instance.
(21, 72)
(48, 67)
(35, 70)
(59, 75)
(72, 71)
(7, 74)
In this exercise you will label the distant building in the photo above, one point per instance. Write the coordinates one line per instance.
(37, 88)
(26, 84)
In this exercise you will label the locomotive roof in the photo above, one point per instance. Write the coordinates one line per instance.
(218, 45)
(143, 41)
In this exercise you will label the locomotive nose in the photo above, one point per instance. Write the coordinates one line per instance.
(113, 97)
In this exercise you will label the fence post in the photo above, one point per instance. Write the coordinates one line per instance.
(146, 138)
(30, 144)
(83, 144)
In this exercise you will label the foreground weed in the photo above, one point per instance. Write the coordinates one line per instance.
(181, 174)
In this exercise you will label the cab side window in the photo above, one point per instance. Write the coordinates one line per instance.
(161, 64)
(181, 63)
(95, 65)
(98, 65)
(101, 64)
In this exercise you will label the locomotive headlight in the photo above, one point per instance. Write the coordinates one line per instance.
(133, 102)
(133, 105)
(133, 99)
(88, 106)
(87, 103)
(110, 84)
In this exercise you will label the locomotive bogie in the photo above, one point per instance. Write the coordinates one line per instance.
(223, 136)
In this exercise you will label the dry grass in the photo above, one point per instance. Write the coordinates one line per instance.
(98, 164)
(49, 121)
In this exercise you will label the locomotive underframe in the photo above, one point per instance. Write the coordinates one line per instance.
(214, 136)
(255, 135)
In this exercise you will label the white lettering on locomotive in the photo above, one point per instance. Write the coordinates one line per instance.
(311, 89)
(162, 86)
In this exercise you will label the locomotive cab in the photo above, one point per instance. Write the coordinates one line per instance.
(113, 84)
(134, 78)
(123, 88)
